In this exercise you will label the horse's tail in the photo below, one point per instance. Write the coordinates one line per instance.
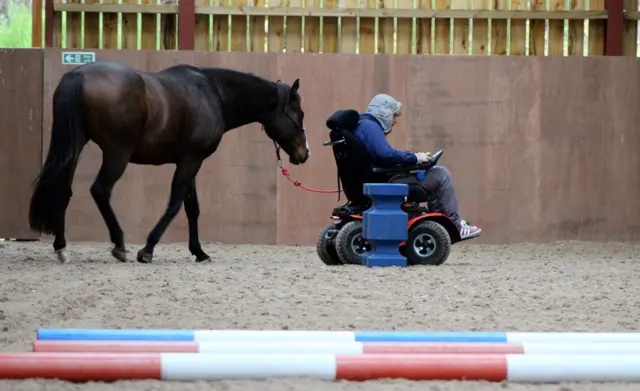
(52, 191)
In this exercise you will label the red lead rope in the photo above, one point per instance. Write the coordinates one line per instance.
(286, 174)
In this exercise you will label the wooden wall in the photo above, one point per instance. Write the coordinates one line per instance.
(540, 149)
(21, 142)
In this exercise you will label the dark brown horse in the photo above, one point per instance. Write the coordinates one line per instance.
(177, 115)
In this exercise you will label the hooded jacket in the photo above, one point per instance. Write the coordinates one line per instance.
(371, 134)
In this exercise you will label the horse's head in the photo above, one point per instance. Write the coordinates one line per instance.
(285, 125)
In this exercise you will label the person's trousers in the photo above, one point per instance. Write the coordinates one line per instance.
(439, 187)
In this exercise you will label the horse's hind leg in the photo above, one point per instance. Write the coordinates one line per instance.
(192, 209)
(113, 166)
(59, 241)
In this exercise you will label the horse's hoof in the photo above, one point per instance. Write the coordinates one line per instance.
(120, 254)
(62, 255)
(144, 257)
(203, 258)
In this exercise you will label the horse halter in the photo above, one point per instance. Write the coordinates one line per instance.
(275, 144)
(300, 128)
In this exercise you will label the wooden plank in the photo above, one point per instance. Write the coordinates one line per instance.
(36, 23)
(459, 37)
(441, 29)
(368, 32)
(57, 27)
(408, 13)
(312, 25)
(92, 27)
(518, 31)
(258, 38)
(386, 28)
(576, 31)
(501, 31)
(540, 14)
(538, 44)
(405, 29)
(349, 29)
(479, 33)
(111, 19)
(630, 33)
(596, 31)
(221, 29)
(203, 29)
(276, 33)
(149, 28)
(330, 31)
(21, 147)
(113, 6)
(129, 23)
(74, 27)
(238, 27)
(169, 30)
(423, 30)
(556, 34)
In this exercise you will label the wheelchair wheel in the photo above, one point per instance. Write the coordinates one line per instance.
(325, 247)
(428, 243)
(350, 245)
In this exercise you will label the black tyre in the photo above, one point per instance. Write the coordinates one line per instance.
(350, 245)
(403, 250)
(428, 243)
(325, 248)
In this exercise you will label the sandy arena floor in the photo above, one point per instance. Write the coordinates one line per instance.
(561, 287)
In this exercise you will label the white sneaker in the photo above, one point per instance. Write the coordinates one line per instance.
(468, 231)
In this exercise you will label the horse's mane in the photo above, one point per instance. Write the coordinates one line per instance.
(217, 71)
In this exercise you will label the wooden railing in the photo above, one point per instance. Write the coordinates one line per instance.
(472, 27)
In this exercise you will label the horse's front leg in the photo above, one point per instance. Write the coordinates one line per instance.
(192, 209)
(183, 177)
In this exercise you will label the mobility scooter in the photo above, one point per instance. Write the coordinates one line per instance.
(430, 235)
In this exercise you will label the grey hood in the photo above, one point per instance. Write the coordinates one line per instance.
(383, 107)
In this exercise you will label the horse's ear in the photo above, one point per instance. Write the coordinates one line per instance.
(295, 86)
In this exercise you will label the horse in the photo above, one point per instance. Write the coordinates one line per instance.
(177, 115)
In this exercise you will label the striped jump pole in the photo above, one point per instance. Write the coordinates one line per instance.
(327, 336)
(349, 348)
(82, 367)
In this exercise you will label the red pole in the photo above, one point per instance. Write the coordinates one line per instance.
(613, 28)
(36, 24)
(48, 23)
(186, 24)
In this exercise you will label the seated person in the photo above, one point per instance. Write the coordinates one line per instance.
(374, 126)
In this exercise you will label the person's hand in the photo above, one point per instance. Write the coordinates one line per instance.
(423, 157)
